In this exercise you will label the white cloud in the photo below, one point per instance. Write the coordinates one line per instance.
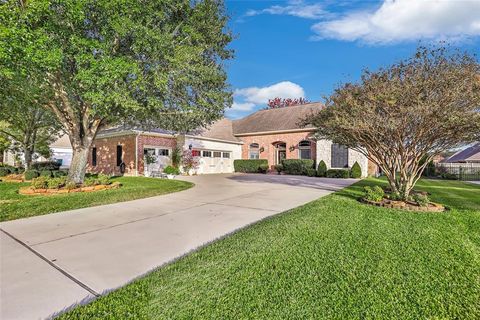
(246, 106)
(294, 8)
(284, 89)
(406, 20)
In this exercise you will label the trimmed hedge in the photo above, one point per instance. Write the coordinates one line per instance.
(338, 173)
(46, 165)
(31, 174)
(311, 172)
(249, 165)
(322, 169)
(297, 166)
(356, 171)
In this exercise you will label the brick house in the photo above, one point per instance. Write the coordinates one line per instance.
(273, 134)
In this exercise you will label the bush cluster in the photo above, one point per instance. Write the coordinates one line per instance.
(250, 165)
(297, 166)
(31, 174)
(46, 182)
(6, 169)
(373, 194)
(96, 179)
(421, 199)
(171, 170)
(45, 165)
(338, 173)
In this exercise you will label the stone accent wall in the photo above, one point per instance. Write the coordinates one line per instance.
(324, 152)
(107, 155)
(267, 143)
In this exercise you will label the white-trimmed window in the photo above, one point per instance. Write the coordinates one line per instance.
(226, 155)
(254, 151)
(217, 154)
(206, 154)
(305, 149)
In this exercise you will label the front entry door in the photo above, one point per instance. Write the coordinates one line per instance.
(282, 154)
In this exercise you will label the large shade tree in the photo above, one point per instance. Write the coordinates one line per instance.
(108, 62)
(412, 110)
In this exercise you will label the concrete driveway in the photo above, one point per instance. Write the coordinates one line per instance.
(51, 262)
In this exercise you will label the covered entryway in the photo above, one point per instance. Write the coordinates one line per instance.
(280, 152)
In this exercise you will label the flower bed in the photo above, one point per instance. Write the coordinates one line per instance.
(418, 201)
(13, 178)
(406, 205)
(42, 191)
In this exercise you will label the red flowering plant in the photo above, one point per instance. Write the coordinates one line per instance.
(189, 162)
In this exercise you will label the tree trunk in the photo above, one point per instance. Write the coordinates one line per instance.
(78, 166)
(28, 158)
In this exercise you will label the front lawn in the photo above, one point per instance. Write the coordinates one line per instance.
(16, 206)
(332, 258)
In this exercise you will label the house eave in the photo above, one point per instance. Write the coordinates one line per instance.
(274, 132)
(213, 139)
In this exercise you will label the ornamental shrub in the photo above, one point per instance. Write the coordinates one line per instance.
(249, 165)
(375, 194)
(264, 168)
(59, 173)
(103, 179)
(322, 169)
(171, 170)
(40, 183)
(421, 199)
(56, 183)
(46, 173)
(90, 182)
(311, 172)
(279, 168)
(356, 171)
(46, 165)
(297, 166)
(338, 173)
(31, 174)
(4, 171)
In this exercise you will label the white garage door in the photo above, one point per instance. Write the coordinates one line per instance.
(212, 161)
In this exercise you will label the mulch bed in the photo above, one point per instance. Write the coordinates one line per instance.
(410, 206)
(31, 191)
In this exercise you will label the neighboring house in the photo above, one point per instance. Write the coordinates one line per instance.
(272, 134)
(468, 155)
(61, 151)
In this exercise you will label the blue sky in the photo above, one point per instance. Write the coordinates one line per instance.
(307, 48)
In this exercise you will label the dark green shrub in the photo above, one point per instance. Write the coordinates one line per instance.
(60, 173)
(279, 168)
(311, 172)
(421, 199)
(338, 173)
(264, 168)
(46, 173)
(322, 169)
(56, 183)
(4, 171)
(375, 194)
(46, 165)
(40, 183)
(395, 196)
(31, 174)
(249, 165)
(356, 171)
(449, 176)
(171, 170)
(90, 181)
(104, 179)
(297, 166)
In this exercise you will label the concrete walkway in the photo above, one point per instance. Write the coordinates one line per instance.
(51, 262)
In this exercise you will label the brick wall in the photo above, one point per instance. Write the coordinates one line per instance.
(267, 142)
(107, 153)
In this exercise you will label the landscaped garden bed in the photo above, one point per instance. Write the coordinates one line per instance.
(418, 201)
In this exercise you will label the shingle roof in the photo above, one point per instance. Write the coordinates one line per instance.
(221, 129)
(470, 154)
(279, 119)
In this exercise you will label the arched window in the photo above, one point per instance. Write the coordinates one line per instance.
(254, 151)
(305, 149)
(339, 156)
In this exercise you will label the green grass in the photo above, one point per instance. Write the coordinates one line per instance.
(333, 258)
(16, 206)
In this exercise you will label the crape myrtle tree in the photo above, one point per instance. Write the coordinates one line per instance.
(285, 102)
(109, 62)
(414, 109)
